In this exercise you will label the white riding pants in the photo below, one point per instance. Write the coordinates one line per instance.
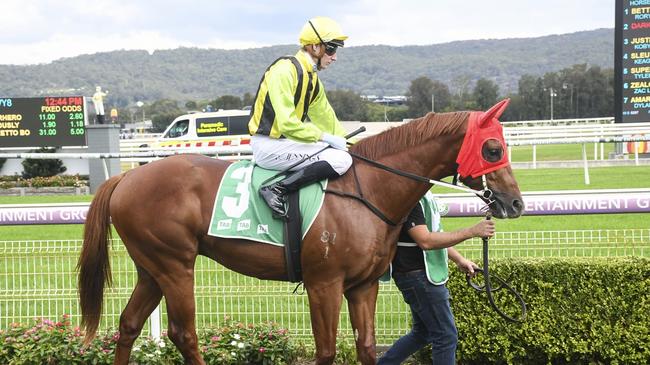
(279, 154)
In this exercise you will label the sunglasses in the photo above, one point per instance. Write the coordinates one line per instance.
(330, 47)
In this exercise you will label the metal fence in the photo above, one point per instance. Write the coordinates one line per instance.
(38, 279)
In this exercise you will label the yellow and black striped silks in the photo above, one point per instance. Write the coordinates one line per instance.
(288, 92)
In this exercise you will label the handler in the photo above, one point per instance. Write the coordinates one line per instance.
(289, 92)
(420, 270)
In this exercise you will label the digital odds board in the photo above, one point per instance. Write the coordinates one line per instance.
(42, 122)
(632, 61)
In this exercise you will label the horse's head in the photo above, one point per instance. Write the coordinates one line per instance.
(484, 153)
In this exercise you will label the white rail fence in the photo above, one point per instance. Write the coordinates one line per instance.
(598, 134)
(38, 279)
(638, 133)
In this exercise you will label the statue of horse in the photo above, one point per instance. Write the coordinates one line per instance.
(162, 212)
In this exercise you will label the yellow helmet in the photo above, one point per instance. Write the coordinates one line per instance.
(322, 30)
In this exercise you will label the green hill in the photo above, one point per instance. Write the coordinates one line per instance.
(192, 73)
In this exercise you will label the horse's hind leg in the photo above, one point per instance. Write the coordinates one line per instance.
(362, 301)
(144, 299)
(178, 288)
(324, 308)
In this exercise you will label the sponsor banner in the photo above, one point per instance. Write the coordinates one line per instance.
(43, 214)
(557, 203)
(451, 205)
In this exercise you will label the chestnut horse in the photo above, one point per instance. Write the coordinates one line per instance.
(162, 212)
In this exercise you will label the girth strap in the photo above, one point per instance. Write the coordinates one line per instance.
(293, 237)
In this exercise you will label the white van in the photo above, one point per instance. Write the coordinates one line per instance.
(207, 129)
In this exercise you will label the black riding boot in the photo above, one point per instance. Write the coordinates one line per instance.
(274, 194)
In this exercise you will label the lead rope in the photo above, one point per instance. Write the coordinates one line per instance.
(487, 287)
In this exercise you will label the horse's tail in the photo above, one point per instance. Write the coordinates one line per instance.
(93, 266)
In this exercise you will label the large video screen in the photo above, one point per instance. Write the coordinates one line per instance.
(632, 61)
(42, 122)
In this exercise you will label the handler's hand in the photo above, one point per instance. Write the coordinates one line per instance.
(467, 267)
(484, 228)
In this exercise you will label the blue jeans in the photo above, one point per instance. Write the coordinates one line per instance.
(433, 321)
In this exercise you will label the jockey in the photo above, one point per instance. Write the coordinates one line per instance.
(288, 93)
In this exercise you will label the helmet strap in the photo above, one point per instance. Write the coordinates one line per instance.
(316, 55)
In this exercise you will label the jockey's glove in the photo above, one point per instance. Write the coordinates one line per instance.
(334, 141)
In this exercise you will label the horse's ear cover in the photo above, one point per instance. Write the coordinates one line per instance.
(481, 127)
(494, 112)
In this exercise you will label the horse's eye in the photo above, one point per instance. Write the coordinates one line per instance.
(492, 153)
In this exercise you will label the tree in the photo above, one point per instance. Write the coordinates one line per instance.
(441, 97)
(486, 93)
(514, 110)
(160, 122)
(42, 167)
(390, 113)
(427, 95)
(463, 98)
(227, 102)
(578, 91)
(348, 105)
(419, 96)
(531, 92)
(162, 113)
(248, 99)
(599, 88)
(191, 105)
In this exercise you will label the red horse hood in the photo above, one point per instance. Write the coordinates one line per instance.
(481, 127)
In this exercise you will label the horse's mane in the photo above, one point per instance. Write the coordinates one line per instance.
(410, 134)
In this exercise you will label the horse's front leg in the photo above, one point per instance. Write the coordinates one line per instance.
(324, 308)
(362, 301)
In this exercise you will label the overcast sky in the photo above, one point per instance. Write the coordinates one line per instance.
(40, 31)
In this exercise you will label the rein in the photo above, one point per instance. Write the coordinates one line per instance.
(362, 199)
(485, 194)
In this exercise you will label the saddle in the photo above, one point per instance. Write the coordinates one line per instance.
(240, 213)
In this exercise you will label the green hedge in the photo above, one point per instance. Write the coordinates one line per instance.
(580, 311)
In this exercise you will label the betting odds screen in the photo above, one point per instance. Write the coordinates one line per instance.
(42, 122)
(632, 61)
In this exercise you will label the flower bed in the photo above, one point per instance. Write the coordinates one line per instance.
(54, 185)
(49, 342)
(15, 181)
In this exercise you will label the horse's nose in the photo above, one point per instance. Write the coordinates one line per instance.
(518, 207)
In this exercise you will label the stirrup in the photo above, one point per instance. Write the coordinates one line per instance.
(274, 201)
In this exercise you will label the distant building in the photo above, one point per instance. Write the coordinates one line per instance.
(131, 130)
(386, 100)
